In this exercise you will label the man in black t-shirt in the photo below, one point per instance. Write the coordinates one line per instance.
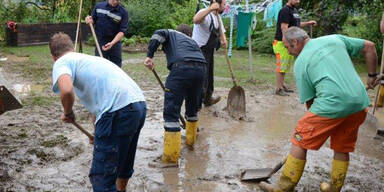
(288, 17)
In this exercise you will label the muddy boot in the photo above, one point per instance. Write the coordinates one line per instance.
(172, 145)
(281, 92)
(381, 97)
(293, 169)
(269, 187)
(338, 174)
(191, 132)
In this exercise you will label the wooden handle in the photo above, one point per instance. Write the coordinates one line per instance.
(96, 41)
(230, 68)
(226, 55)
(78, 23)
(90, 136)
(158, 79)
(380, 73)
(310, 30)
(277, 167)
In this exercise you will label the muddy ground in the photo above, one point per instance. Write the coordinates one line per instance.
(40, 153)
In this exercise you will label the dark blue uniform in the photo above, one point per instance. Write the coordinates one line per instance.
(108, 22)
(187, 67)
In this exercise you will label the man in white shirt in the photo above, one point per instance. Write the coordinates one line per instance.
(117, 105)
(206, 33)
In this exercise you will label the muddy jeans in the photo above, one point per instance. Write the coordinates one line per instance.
(185, 81)
(116, 138)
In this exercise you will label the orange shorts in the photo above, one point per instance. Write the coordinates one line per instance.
(312, 131)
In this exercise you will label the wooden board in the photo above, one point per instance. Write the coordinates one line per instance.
(39, 34)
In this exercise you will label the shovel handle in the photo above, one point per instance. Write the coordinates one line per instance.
(226, 51)
(89, 135)
(163, 87)
(380, 73)
(78, 23)
(230, 67)
(310, 31)
(158, 79)
(277, 167)
(96, 41)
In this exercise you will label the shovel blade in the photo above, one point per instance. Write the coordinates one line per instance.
(256, 175)
(9, 101)
(236, 102)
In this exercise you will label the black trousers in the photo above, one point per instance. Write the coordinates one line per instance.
(208, 83)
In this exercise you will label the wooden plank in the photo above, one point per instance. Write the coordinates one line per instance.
(39, 34)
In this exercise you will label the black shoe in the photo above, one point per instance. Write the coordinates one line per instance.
(287, 90)
(281, 92)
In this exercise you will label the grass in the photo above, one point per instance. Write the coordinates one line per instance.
(263, 69)
(59, 140)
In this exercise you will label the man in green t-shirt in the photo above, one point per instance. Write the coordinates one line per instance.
(336, 99)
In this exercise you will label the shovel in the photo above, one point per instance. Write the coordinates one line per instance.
(163, 87)
(96, 41)
(236, 96)
(89, 135)
(7, 101)
(262, 174)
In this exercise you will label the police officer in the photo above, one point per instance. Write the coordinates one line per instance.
(206, 34)
(111, 20)
(187, 71)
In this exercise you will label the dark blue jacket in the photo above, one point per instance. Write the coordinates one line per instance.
(177, 46)
(109, 20)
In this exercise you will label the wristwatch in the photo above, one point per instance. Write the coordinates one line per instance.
(69, 114)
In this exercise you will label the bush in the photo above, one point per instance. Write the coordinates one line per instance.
(135, 40)
(145, 16)
(262, 40)
(367, 25)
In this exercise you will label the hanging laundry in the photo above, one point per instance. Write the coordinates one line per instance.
(272, 12)
(244, 22)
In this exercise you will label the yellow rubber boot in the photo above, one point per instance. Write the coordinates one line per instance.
(172, 145)
(381, 97)
(338, 174)
(191, 132)
(293, 169)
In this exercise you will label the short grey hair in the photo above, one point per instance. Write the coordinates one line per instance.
(295, 33)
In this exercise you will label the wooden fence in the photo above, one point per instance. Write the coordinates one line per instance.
(39, 34)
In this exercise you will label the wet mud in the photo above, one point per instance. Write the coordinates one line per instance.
(40, 153)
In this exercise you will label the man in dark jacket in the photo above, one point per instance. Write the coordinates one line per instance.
(185, 81)
(111, 22)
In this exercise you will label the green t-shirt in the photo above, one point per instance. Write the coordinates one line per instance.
(324, 71)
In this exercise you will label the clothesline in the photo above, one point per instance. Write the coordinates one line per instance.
(234, 9)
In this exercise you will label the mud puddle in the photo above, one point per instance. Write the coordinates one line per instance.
(40, 153)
